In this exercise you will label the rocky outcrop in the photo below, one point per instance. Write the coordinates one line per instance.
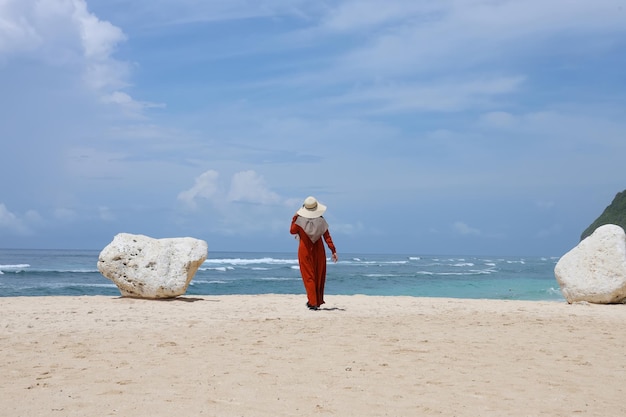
(143, 267)
(595, 270)
(614, 213)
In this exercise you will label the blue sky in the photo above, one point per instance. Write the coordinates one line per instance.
(486, 127)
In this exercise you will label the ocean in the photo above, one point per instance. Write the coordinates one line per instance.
(74, 272)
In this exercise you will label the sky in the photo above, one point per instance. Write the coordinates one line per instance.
(434, 127)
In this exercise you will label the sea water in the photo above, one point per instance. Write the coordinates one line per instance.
(74, 272)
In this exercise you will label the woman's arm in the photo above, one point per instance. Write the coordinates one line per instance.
(331, 245)
(294, 227)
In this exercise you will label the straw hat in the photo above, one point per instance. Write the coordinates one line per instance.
(311, 208)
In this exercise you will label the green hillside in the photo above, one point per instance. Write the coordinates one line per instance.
(613, 214)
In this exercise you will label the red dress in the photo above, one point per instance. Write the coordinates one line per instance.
(312, 259)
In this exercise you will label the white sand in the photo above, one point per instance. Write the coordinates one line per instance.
(268, 355)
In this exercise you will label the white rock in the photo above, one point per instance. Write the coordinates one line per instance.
(143, 267)
(595, 270)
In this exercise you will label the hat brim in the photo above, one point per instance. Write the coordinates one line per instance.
(311, 214)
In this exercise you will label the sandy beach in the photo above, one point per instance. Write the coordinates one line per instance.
(268, 355)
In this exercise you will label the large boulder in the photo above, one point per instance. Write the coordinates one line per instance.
(595, 270)
(143, 267)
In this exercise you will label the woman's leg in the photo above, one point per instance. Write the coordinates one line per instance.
(309, 279)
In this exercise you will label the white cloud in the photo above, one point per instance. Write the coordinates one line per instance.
(16, 33)
(245, 187)
(456, 34)
(369, 45)
(434, 96)
(245, 205)
(498, 119)
(578, 124)
(99, 38)
(7, 219)
(250, 187)
(65, 214)
(56, 31)
(132, 108)
(32, 217)
(464, 229)
(106, 214)
(365, 14)
(13, 223)
(168, 12)
(65, 34)
(205, 187)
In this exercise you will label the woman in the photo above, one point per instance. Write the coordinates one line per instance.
(309, 226)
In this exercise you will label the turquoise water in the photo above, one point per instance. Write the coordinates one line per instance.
(74, 272)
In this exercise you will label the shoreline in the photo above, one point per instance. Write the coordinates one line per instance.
(267, 355)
